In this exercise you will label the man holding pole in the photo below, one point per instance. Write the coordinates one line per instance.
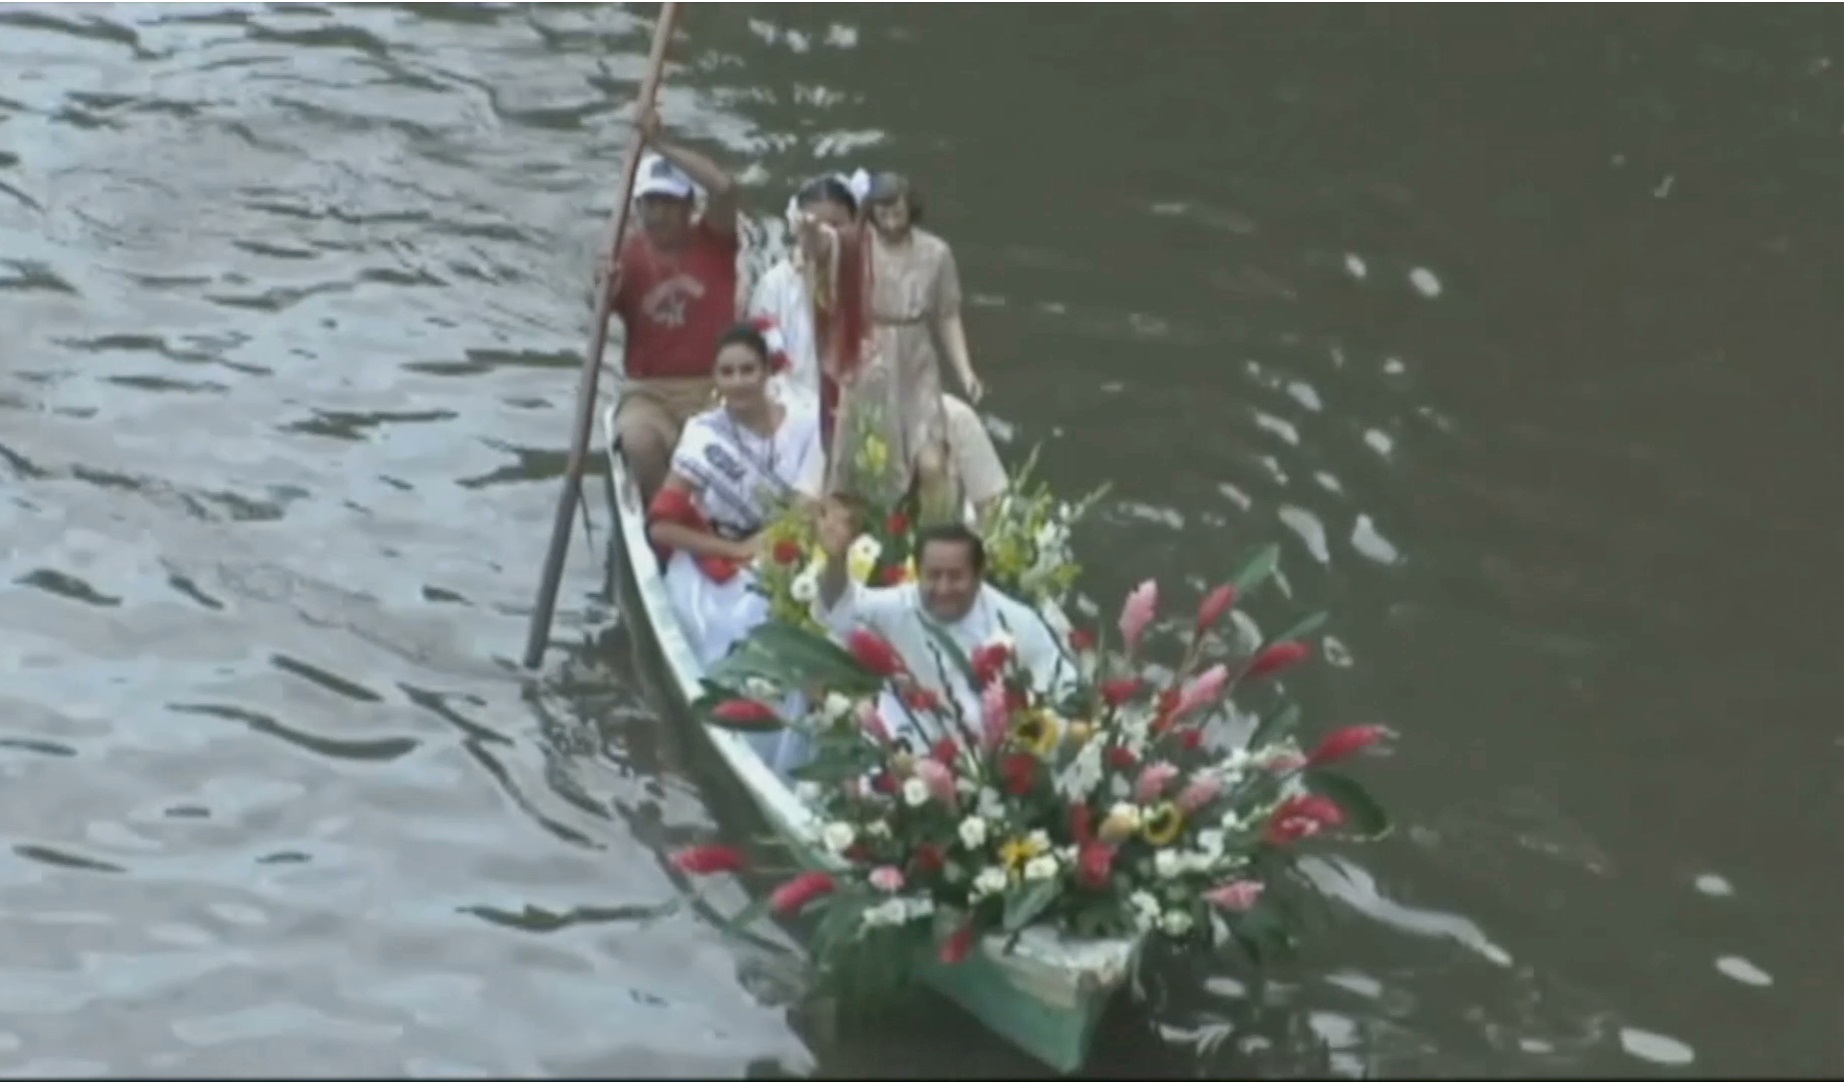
(674, 287)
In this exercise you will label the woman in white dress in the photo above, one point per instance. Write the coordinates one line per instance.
(736, 467)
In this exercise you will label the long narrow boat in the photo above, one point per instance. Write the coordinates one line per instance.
(1046, 994)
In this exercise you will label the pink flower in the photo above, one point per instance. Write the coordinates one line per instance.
(1236, 896)
(995, 714)
(1345, 741)
(1118, 691)
(1095, 864)
(800, 891)
(1302, 816)
(989, 662)
(887, 879)
(1137, 612)
(872, 722)
(1199, 793)
(1277, 658)
(874, 653)
(1201, 691)
(709, 858)
(1215, 605)
(1153, 780)
(1285, 762)
(938, 779)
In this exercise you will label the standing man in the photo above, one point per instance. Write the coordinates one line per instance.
(674, 287)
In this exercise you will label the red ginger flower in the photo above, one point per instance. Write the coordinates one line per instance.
(874, 653)
(1344, 742)
(709, 858)
(1302, 816)
(1279, 657)
(801, 890)
(1118, 691)
(740, 711)
(1215, 605)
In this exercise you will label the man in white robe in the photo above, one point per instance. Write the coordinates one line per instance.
(950, 593)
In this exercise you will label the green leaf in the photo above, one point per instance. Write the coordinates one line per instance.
(1304, 627)
(1258, 569)
(1364, 818)
(1022, 908)
(1275, 727)
(793, 658)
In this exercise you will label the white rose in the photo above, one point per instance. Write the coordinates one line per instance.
(805, 588)
(1126, 814)
(1210, 842)
(1168, 864)
(838, 705)
(990, 880)
(1039, 840)
(1041, 868)
(973, 833)
(1177, 923)
(837, 836)
(915, 792)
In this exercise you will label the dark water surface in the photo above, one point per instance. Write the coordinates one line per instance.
(1517, 328)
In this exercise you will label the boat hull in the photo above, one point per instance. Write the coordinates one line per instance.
(1046, 995)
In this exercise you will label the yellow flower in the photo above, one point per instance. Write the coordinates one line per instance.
(1039, 731)
(1162, 824)
(1015, 852)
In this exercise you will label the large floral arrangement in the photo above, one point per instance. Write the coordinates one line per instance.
(1117, 807)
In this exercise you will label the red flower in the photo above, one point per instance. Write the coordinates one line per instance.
(1167, 707)
(1016, 700)
(883, 783)
(1020, 772)
(1122, 758)
(929, 858)
(959, 944)
(1118, 691)
(1215, 605)
(1081, 640)
(897, 525)
(858, 852)
(741, 712)
(946, 751)
(709, 858)
(1081, 822)
(922, 698)
(1278, 657)
(1302, 816)
(1094, 864)
(989, 662)
(1191, 739)
(786, 551)
(874, 653)
(800, 891)
(894, 576)
(1343, 742)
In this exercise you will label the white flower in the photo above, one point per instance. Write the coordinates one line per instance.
(1039, 840)
(861, 557)
(915, 792)
(878, 830)
(837, 705)
(1168, 864)
(990, 880)
(807, 792)
(1041, 868)
(837, 836)
(805, 588)
(760, 688)
(1145, 909)
(891, 912)
(1231, 822)
(1177, 923)
(1237, 760)
(991, 806)
(973, 833)
(1126, 816)
(1210, 842)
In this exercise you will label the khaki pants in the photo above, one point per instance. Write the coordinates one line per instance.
(648, 419)
(975, 460)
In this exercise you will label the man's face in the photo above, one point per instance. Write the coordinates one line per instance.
(947, 580)
(666, 219)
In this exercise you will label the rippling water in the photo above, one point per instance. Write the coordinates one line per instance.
(1512, 329)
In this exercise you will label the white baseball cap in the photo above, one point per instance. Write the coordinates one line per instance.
(658, 177)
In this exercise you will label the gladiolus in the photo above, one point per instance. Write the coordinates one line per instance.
(947, 751)
(741, 712)
(874, 653)
(1081, 640)
(1191, 739)
(1020, 773)
(1121, 758)
(1344, 742)
(887, 879)
(800, 891)
(1154, 778)
(938, 779)
(995, 715)
(989, 662)
(873, 723)
(1277, 658)
(1137, 613)
(1236, 896)
(1302, 816)
(1081, 822)
(922, 698)
(1215, 605)
(959, 944)
(1118, 691)
(1199, 793)
(1201, 691)
(709, 858)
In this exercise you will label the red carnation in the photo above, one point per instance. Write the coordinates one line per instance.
(743, 712)
(874, 653)
(989, 662)
(1191, 739)
(929, 858)
(1122, 758)
(1344, 742)
(1278, 657)
(1302, 816)
(786, 551)
(883, 783)
(1094, 864)
(1118, 691)
(800, 891)
(709, 858)
(1081, 822)
(959, 944)
(1020, 772)
(1215, 605)
(946, 752)
(897, 525)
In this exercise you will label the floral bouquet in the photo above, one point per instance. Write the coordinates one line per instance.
(1114, 809)
(1027, 533)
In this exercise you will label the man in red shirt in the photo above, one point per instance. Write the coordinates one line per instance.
(674, 287)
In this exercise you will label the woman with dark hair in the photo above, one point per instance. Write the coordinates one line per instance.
(736, 466)
(790, 292)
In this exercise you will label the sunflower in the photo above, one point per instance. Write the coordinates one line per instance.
(1038, 730)
(1162, 824)
(1015, 852)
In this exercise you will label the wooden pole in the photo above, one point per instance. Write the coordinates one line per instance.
(539, 636)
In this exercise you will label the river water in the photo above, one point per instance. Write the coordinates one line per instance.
(1512, 327)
